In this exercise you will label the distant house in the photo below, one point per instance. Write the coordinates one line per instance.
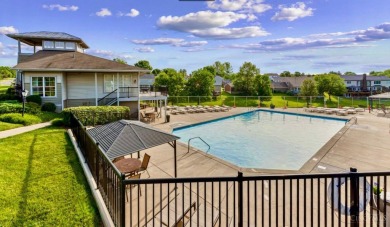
(287, 84)
(63, 74)
(360, 84)
(229, 88)
(217, 85)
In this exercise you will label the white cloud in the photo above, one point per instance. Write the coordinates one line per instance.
(104, 12)
(132, 13)
(60, 7)
(294, 12)
(199, 20)
(8, 30)
(158, 41)
(191, 44)
(250, 6)
(144, 49)
(351, 39)
(231, 33)
(109, 54)
(213, 25)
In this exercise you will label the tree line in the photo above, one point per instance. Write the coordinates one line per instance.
(7, 72)
(248, 80)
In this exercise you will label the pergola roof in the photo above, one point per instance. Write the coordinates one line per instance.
(124, 137)
(385, 95)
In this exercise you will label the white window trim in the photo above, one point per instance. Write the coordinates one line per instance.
(43, 78)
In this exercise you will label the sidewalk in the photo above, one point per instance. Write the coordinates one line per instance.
(16, 131)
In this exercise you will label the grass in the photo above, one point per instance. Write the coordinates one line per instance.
(278, 99)
(42, 183)
(8, 126)
(3, 89)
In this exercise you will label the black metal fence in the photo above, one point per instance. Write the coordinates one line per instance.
(340, 199)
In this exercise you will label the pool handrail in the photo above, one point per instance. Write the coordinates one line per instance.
(197, 137)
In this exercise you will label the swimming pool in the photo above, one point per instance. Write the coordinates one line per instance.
(263, 139)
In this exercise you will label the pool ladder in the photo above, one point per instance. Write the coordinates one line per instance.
(189, 141)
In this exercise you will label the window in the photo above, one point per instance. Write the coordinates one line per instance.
(70, 46)
(348, 82)
(109, 83)
(377, 82)
(43, 86)
(59, 45)
(48, 45)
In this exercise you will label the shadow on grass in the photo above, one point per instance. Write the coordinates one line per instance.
(20, 218)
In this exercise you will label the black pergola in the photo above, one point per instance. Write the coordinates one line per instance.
(126, 137)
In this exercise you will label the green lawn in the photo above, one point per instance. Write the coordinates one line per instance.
(42, 182)
(7, 126)
(278, 99)
(3, 89)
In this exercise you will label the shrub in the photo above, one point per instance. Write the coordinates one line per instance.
(34, 98)
(49, 107)
(16, 118)
(58, 122)
(6, 107)
(7, 97)
(10, 91)
(33, 107)
(93, 115)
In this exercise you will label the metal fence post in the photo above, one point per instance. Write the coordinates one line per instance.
(97, 165)
(240, 199)
(123, 202)
(354, 198)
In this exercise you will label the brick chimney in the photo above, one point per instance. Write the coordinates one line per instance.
(364, 83)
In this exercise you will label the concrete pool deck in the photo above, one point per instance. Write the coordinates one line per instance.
(364, 145)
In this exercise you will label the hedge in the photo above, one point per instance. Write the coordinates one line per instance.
(16, 118)
(8, 107)
(34, 98)
(96, 115)
(49, 107)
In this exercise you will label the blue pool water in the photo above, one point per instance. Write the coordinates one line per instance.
(263, 139)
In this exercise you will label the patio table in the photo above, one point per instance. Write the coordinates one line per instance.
(128, 165)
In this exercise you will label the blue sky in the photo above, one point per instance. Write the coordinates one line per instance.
(308, 36)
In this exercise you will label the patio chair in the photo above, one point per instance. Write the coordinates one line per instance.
(144, 165)
(186, 217)
(144, 117)
(384, 110)
(130, 186)
(117, 159)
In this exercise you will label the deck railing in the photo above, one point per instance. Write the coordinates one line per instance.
(337, 199)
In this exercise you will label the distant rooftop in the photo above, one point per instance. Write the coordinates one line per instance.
(35, 38)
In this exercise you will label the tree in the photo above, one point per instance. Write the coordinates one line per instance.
(120, 60)
(143, 64)
(173, 80)
(263, 85)
(211, 69)
(308, 88)
(224, 70)
(298, 74)
(285, 74)
(349, 73)
(7, 72)
(201, 83)
(156, 71)
(332, 84)
(244, 80)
